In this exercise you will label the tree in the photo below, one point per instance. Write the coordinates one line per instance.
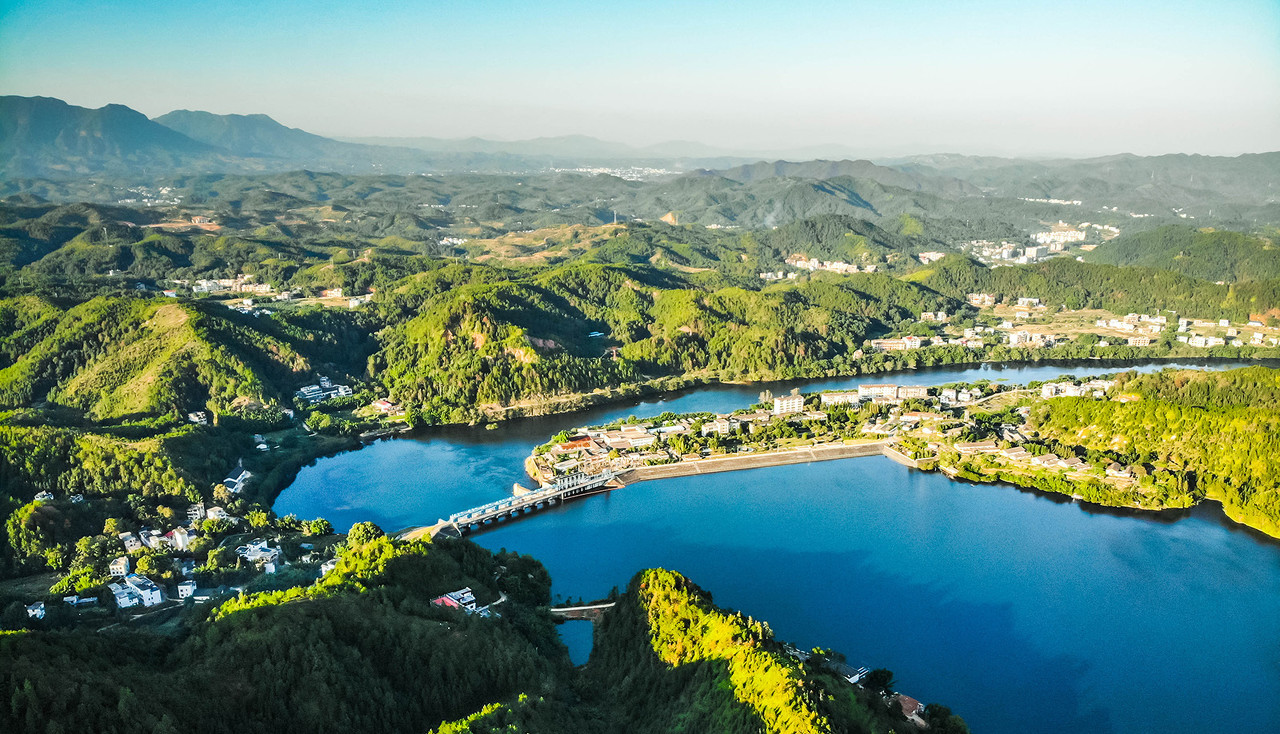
(14, 616)
(363, 532)
(879, 679)
(942, 721)
(319, 526)
(259, 519)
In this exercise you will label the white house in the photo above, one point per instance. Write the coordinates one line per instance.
(236, 479)
(45, 496)
(120, 567)
(36, 611)
(186, 589)
(131, 542)
(217, 513)
(720, 426)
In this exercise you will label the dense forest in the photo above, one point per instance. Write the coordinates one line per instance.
(363, 649)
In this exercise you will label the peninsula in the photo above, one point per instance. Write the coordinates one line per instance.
(1066, 436)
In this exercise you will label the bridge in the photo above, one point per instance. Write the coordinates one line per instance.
(564, 489)
(591, 612)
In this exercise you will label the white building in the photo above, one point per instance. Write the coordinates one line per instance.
(36, 611)
(788, 404)
(878, 391)
(124, 597)
(147, 591)
(186, 589)
(840, 398)
(120, 567)
(178, 538)
(258, 551)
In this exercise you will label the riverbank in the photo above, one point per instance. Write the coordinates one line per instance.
(885, 364)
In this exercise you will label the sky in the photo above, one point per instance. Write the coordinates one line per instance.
(989, 77)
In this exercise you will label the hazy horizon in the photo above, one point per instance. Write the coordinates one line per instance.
(835, 79)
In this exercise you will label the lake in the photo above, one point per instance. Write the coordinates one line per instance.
(1021, 611)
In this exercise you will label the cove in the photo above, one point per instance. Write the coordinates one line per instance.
(1021, 611)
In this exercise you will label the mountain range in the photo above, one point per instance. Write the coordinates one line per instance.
(46, 138)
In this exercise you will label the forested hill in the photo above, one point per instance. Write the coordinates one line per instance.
(128, 358)
(1200, 253)
(249, 135)
(363, 649)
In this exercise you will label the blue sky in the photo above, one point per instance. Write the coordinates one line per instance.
(970, 76)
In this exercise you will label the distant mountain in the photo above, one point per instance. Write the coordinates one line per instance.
(1144, 184)
(42, 136)
(578, 146)
(250, 135)
(823, 170)
(261, 137)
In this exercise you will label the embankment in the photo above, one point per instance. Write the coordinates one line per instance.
(712, 465)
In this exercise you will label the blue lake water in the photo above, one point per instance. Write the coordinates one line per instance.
(1019, 610)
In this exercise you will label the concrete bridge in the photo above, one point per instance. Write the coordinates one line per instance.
(591, 612)
(509, 508)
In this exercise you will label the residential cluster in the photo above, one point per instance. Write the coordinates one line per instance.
(803, 262)
(1064, 202)
(1059, 234)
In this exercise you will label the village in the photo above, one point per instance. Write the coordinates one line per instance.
(138, 586)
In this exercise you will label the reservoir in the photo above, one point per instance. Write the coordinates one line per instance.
(1021, 611)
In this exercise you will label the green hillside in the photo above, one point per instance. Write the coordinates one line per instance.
(478, 337)
(113, 357)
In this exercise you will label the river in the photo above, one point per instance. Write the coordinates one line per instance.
(1021, 611)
